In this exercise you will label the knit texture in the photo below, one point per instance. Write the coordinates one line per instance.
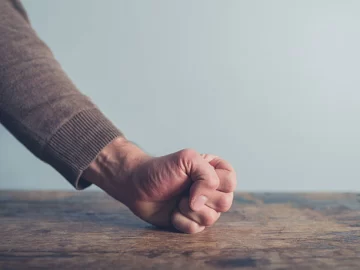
(41, 106)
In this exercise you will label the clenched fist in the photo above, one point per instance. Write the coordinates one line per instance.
(185, 190)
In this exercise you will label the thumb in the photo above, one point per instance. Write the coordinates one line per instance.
(204, 178)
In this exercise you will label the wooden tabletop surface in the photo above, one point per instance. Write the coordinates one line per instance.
(89, 230)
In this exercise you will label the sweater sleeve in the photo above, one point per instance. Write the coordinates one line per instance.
(40, 105)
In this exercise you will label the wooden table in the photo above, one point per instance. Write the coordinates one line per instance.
(89, 230)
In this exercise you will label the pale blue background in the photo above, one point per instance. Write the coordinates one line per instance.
(272, 86)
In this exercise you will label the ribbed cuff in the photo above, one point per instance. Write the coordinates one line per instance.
(77, 143)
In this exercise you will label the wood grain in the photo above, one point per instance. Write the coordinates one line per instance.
(77, 230)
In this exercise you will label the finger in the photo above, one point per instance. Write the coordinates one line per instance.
(205, 216)
(227, 180)
(217, 162)
(203, 175)
(225, 172)
(184, 224)
(220, 201)
(208, 157)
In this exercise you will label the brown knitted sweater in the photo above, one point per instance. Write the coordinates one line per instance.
(39, 104)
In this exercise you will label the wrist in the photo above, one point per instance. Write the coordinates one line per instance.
(112, 169)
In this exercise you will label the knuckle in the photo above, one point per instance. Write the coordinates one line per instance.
(213, 183)
(209, 157)
(187, 153)
(185, 158)
(225, 202)
(231, 181)
(191, 227)
(208, 220)
(233, 178)
(183, 224)
(227, 182)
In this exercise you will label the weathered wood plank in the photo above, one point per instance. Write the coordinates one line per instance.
(261, 231)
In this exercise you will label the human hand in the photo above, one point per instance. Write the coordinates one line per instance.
(166, 191)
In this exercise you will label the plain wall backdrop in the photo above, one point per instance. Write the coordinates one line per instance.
(271, 86)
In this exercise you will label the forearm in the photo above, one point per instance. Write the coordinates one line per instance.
(40, 105)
